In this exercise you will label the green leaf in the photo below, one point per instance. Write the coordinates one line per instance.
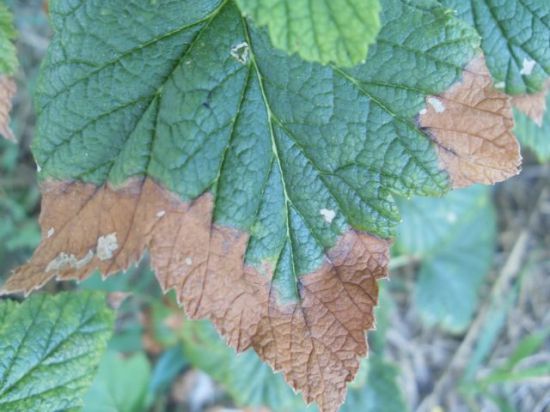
(325, 31)
(120, 385)
(455, 239)
(50, 347)
(7, 307)
(515, 38)
(8, 58)
(536, 138)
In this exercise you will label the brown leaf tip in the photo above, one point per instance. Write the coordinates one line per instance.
(471, 124)
(7, 92)
(316, 342)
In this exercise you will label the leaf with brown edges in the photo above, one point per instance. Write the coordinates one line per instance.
(472, 124)
(261, 185)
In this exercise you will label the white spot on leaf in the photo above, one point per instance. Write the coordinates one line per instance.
(527, 67)
(60, 261)
(67, 261)
(500, 85)
(85, 260)
(106, 245)
(51, 231)
(328, 215)
(436, 104)
(241, 52)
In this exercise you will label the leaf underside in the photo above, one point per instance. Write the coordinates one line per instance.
(261, 184)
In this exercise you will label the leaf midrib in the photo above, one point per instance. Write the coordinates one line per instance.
(275, 151)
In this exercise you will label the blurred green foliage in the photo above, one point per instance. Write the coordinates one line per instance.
(19, 230)
(8, 59)
(120, 384)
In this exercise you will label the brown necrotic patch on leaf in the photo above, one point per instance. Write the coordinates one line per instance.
(471, 124)
(533, 105)
(7, 91)
(316, 342)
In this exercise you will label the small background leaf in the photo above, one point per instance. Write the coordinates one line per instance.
(454, 237)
